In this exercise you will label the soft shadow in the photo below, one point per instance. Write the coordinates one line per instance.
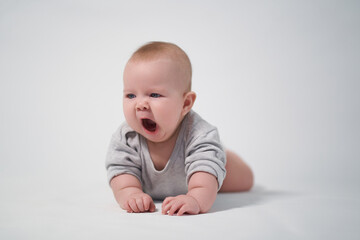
(256, 196)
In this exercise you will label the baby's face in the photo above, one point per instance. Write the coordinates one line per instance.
(153, 98)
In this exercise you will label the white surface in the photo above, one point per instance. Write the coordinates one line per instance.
(280, 79)
(89, 212)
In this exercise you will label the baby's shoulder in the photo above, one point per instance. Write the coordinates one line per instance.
(125, 135)
(197, 126)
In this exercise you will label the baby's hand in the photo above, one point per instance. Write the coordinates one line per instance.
(180, 204)
(139, 202)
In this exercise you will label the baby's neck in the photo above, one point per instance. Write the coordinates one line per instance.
(160, 152)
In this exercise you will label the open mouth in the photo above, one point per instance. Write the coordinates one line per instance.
(149, 125)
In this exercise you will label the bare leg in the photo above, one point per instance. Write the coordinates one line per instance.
(239, 176)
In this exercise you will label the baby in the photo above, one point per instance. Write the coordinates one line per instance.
(165, 150)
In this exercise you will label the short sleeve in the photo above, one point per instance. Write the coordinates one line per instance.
(206, 154)
(122, 156)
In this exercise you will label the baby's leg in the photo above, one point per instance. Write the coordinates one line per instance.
(239, 176)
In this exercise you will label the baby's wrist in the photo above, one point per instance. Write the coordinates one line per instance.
(193, 198)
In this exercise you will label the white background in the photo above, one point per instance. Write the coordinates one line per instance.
(280, 80)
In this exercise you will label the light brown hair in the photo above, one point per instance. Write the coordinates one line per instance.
(155, 50)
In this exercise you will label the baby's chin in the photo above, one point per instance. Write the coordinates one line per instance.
(154, 139)
(158, 137)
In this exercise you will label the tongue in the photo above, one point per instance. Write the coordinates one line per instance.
(149, 125)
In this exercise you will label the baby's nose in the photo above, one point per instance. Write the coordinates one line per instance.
(142, 105)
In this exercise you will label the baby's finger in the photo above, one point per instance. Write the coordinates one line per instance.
(140, 204)
(167, 200)
(182, 210)
(127, 207)
(166, 208)
(152, 206)
(133, 206)
(146, 202)
(175, 207)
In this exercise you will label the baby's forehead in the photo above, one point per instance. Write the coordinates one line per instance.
(179, 77)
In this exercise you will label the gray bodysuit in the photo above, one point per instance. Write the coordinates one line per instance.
(197, 148)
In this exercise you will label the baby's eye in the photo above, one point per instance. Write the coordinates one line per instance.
(155, 95)
(130, 96)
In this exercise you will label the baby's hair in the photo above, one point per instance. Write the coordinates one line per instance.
(155, 50)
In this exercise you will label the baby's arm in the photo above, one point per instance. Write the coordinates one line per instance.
(128, 193)
(199, 199)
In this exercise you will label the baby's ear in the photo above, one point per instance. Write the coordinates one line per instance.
(189, 100)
